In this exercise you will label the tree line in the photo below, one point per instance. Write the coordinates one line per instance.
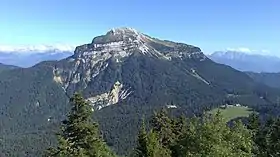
(165, 136)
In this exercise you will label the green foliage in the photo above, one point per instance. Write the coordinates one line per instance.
(267, 139)
(169, 130)
(80, 136)
(163, 126)
(149, 145)
(232, 112)
(142, 147)
(254, 121)
(211, 136)
(206, 136)
(270, 79)
(31, 108)
(273, 138)
(155, 147)
(4, 67)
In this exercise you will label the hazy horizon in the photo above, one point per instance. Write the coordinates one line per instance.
(247, 26)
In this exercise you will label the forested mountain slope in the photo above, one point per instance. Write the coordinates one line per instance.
(270, 79)
(4, 67)
(125, 75)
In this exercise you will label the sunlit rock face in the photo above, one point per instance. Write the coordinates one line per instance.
(92, 61)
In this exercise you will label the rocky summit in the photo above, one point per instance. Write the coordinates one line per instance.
(117, 45)
(125, 75)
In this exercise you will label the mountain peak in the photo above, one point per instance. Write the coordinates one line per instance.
(119, 43)
(124, 34)
(124, 30)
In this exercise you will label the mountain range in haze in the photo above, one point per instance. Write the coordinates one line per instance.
(247, 62)
(29, 56)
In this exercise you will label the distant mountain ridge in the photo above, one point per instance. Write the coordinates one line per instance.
(270, 79)
(27, 57)
(125, 75)
(247, 62)
(4, 67)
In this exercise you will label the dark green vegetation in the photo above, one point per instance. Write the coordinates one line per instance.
(205, 136)
(4, 67)
(232, 112)
(270, 79)
(266, 135)
(28, 100)
(32, 102)
(80, 136)
(209, 136)
(167, 136)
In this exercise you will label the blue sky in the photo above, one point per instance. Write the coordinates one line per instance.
(251, 25)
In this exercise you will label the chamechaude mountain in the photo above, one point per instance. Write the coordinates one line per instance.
(125, 75)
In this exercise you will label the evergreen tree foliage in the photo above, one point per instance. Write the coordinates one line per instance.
(169, 130)
(80, 136)
(163, 125)
(149, 145)
(142, 149)
(266, 136)
(241, 140)
(254, 125)
(210, 136)
(273, 139)
(254, 122)
(155, 148)
(268, 139)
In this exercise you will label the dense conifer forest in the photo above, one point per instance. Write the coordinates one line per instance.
(168, 136)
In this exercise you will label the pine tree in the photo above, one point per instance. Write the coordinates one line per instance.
(210, 136)
(163, 126)
(254, 125)
(241, 140)
(142, 149)
(155, 148)
(80, 136)
(149, 145)
(273, 139)
(254, 122)
(262, 139)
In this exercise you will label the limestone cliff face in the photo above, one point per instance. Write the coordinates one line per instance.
(116, 94)
(114, 48)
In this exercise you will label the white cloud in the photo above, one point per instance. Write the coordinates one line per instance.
(250, 51)
(36, 48)
(265, 51)
(240, 49)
